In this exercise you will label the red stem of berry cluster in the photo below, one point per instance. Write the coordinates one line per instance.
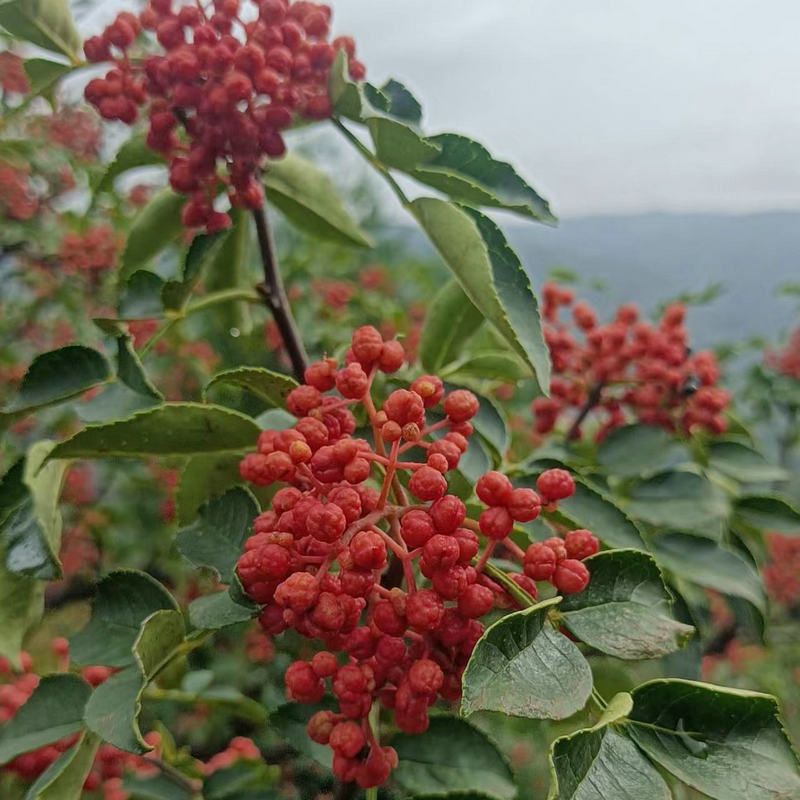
(274, 296)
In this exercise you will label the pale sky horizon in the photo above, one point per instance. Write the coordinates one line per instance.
(606, 108)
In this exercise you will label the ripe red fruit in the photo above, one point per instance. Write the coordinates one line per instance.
(416, 527)
(425, 676)
(303, 684)
(496, 523)
(494, 489)
(581, 544)
(461, 405)
(539, 562)
(556, 544)
(555, 484)
(571, 576)
(424, 610)
(475, 601)
(368, 550)
(524, 505)
(448, 513)
(346, 739)
(427, 484)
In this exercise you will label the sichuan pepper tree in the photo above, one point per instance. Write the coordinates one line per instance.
(402, 516)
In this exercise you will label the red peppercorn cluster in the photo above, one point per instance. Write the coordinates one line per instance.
(92, 252)
(233, 75)
(364, 550)
(110, 764)
(786, 361)
(626, 369)
(18, 200)
(782, 572)
(13, 78)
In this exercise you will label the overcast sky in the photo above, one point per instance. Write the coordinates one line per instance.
(607, 106)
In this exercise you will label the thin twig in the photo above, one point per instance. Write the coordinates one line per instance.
(274, 296)
(591, 401)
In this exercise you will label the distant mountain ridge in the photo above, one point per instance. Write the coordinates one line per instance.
(650, 257)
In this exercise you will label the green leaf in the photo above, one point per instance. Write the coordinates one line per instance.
(155, 227)
(53, 711)
(450, 321)
(391, 117)
(310, 201)
(169, 429)
(590, 509)
(58, 376)
(743, 463)
(601, 762)
(133, 153)
(726, 743)
(524, 668)
(201, 252)
(44, 74)
(244, 780)
(466, 171)
(452, 755)
(204, 477)
(679, 499)
(64, 778)
(709, 564)
(45, 23)
(113, 709)
(157, 787)
(30, 524)
(215, 539)
(487, 366)
(625, 609)
(639, 450)
(131, 372)
(32, 534)
(125, 598)
(113, 402)
(490, 273)
(141, 297)
(218, 610)
(271, 387)
(22, 601)
(227, 268)
(769, 513)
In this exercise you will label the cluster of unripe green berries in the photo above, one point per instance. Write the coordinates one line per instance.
(364, 549)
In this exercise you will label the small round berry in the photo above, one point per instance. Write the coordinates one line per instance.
(303, 684)
(494, 489)
(320, 726)
(425, 676)
(368, 550)
(539, 562)
(496, 523)
(416, 528)
(524, 505)
(556, 544)
(352, 382)
(475, 601)
(448, 513)
(326, 522)
(427, 484)
(424, 610)
(324, 664)
(367, 344)
(555, 484)
(347, 739)
(571, 576)
(461, 405)
(429, 388)
(392, 357)
(581, 544)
